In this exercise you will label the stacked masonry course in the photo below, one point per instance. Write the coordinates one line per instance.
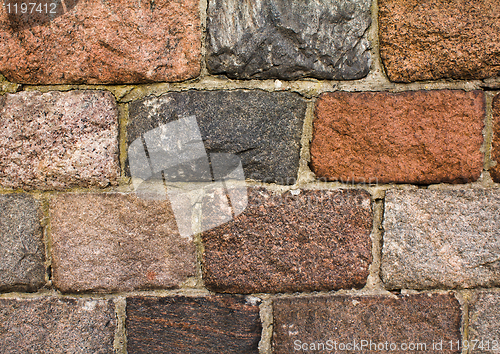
(369, 135)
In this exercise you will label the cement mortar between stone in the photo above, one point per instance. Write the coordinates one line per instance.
(120, 341)
(374, 281)
(266, 318)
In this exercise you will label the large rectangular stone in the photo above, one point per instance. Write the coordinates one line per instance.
(53, 325)
(484, 323)
(194, 325)
(22, 251)
(418, 137)
(58, 140)
(263, 129)
(439, 39)
(441, 239)
(302, 240)
(118, 41)
(289, 39)
(382, 324)
(117, 242)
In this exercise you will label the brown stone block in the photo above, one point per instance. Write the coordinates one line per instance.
(117, 242)
(365, 324)
(58, 140)
(436, 39)
(94, 42)
(304, 240)
(194, 325)
(419, 137)
(53, 325)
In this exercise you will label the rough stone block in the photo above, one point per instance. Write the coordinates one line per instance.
(58, 140)
(117, 242)
(195, 325)
(441, 239)
(305, 240)
(418, 137)
(110, 42)
(484, 320)
(57, 325)
(262, 128)
(288, 39)
(340, 324)
(22, 252)
(439, 39)
(495, 144)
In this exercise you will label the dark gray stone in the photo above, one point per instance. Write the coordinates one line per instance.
(289, 39)
(52, 325)
(22, 250)
(262, 128)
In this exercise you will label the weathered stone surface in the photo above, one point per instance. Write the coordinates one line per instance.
(22, 251)
(262, 128)
(495, 144)
(195, 325)
(57, 325)
(116, 242)
(419, 137)
(484, 317)
(289, 39)
(392, 321)
(58, 140)
(435, 39)
(118, 41)
(314, 240)
(436, 239)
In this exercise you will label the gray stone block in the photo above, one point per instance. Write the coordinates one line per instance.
(22, 251)
(441, 239)
(289, 39)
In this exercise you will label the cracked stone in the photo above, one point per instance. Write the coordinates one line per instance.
(287, 39)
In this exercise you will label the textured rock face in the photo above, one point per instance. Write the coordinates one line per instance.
(195, 325)
(22, 251)
(436, 239)
(419, 137)
(262, 128)
(316, 240)
(301, 324)
(58, 140)
(495, 144)
(434, 39)
(484, 318)
(284, 39)
(53, 326)
(117, 41)
(116, 242)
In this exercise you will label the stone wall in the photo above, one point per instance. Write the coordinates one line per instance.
(369, 137)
